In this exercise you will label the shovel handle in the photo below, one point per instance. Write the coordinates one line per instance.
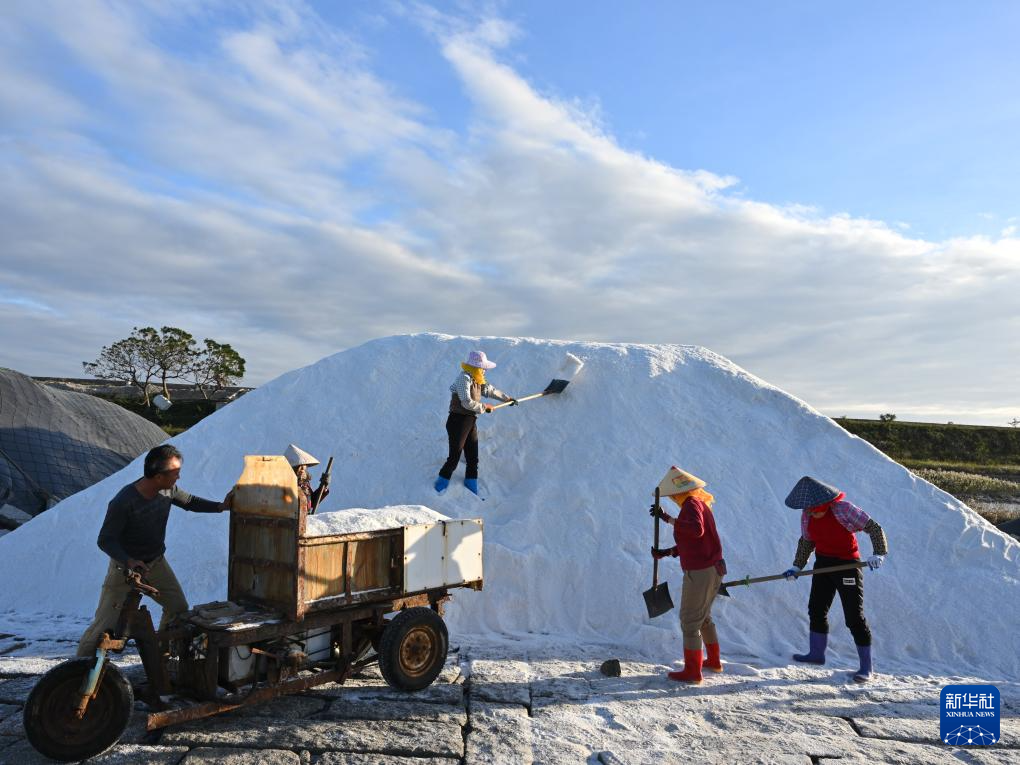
(808, 572)
(525, 398)
(655, 561)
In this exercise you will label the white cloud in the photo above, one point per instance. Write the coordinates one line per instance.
(271, 191)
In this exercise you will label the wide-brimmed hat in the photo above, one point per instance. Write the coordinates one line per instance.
(810, 492)
(297, 456)
(478, 359)
(677, 481)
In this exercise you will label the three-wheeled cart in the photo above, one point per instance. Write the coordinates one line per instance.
(302, 610)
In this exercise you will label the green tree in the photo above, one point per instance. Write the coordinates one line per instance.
(216, 367)
(128, 360)
(168, 353)
(887, 417)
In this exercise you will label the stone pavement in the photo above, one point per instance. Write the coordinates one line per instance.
(510, 702)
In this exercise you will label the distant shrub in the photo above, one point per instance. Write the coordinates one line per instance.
(969, 484)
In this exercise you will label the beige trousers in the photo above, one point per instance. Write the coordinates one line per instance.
(696, 596)
(115, 588)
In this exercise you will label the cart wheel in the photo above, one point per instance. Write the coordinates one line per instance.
(413, 648)
(50, 722)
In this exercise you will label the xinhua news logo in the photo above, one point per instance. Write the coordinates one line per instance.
(969, 715)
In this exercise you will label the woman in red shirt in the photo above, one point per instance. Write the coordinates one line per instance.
(828, 524)
(700, 552)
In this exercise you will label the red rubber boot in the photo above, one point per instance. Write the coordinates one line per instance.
(713, 662)
(692, 668)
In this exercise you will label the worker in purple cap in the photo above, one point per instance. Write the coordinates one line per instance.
(466, 395)
(828, 524)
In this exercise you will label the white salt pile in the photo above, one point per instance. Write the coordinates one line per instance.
(358, 519)
(568, 481)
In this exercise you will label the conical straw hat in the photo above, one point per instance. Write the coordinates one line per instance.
(297, 456)
(677, 481)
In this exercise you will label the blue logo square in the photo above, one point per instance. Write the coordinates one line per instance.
(969, 715)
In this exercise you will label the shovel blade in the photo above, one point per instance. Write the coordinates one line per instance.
(658, 601)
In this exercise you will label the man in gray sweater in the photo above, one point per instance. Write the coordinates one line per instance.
(134, 536)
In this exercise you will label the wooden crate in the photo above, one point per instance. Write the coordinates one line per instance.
(274, 565)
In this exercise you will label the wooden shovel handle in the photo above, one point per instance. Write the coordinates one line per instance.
(655, 561)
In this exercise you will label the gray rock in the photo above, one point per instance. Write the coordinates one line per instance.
(499, 734)
(15, 690)
(873, 751)
(500, 681)
(434, 694)
(351, 758)
(22, 753)
(361, 709)
(922, 731)
(292, 707)
(779, 724)
(399, 737)
(220, 756)
(610, 668)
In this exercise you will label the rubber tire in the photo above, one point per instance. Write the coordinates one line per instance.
(420, 635)
(48, 715)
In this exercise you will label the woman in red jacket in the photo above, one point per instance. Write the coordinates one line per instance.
(700, 552)
(828, 524)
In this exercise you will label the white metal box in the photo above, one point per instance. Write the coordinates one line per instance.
(442, 554)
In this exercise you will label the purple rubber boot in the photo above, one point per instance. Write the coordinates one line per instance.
(863, 675)
(816, 654)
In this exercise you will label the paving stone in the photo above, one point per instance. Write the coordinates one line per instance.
(12, 726)
(779, 724)
(450, 694)
(864, 750)
(293, 707)
(204, 755)
(15, 690)
(562, 688)
(728, 755)
(22, 753)
(350, 758)
(417, 739)
(361, 709)
(6, 710)
(499, 734)
(987, 755)
(500, 681)
(926, 730)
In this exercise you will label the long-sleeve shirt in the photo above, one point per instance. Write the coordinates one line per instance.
(697, 541)
(135, 527)
(833, 533)
(466, 395)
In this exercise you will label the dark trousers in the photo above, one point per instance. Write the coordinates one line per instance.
(850, 586)
(462, 431)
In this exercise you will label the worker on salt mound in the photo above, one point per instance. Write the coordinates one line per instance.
(466, 394)
(827, 526)
(700, 551)
(301, 460)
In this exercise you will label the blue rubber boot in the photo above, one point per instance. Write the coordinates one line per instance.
(816, 653)
(863, 675)
(441, 484)
(472, 485)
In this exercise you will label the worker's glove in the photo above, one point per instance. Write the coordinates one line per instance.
(791, 573)
(660, 553)
(324, 480)
(512, 402)
(875, 562)
(488, 408)
(657, 512)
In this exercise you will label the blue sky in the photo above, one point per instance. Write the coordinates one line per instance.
(822, 192)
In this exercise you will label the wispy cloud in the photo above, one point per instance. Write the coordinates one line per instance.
(269, 189)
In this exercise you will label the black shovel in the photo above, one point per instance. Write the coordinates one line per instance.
(810, 572)
(568, 370)
(657, 599)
